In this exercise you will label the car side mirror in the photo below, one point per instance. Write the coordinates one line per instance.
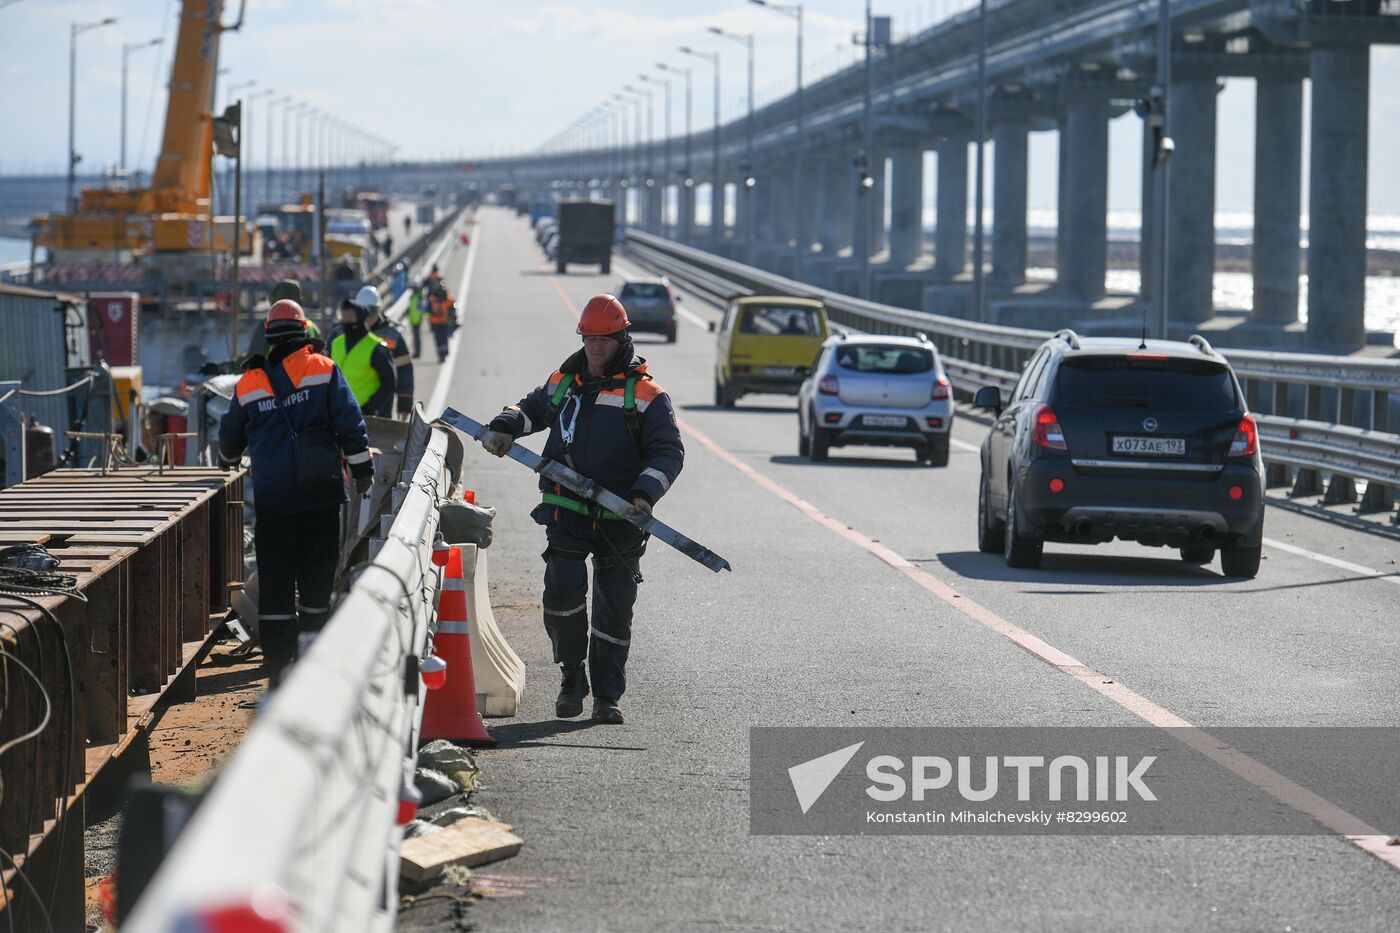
(988, 397)
(713, 327)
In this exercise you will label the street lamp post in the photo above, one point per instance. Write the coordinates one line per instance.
(267, 189)
(665, 145)
(650, 181)
(246, 134)
(716, 183)
(799, 220)
(979, 280)
(686, 190)
(746, 188)
(76, 30)
(127, 49)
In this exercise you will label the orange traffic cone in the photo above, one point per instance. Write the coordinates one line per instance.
(450, 712)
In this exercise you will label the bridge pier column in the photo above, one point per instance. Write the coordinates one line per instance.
(1083, 204)
(1191, 215)
(1010, 186)
(950, 219)
(651, 198)
(1146, 237)
(879, 233)
(906, 205)
(1337, 199)
(685, 212)
(717, 189)
(829, 188)
(1278, 182)
(763, 207)
(845, 201)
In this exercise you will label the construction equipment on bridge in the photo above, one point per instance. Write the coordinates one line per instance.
(174, 214)
(557, 472)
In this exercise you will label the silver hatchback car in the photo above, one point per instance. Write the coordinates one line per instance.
(876, 391)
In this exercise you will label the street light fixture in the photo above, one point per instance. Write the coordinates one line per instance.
(799, 221)
(127, 49)
(747, 191)
(716, 183)
(77, 29)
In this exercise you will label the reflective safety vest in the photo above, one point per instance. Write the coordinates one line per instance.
(439, 310)
(414, 317)
(356, 365)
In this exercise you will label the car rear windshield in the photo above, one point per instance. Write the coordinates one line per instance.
(780, 320)
(643, 290)
(893, 360)
(1162, 385)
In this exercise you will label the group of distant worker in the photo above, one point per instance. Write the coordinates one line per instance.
(298, 409)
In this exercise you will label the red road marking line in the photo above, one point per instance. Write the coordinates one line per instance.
(1350, 827)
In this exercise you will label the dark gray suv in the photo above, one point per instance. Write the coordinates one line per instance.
(1105, 438)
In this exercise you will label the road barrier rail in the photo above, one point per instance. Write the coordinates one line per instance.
(304, 817)
(1326, 421)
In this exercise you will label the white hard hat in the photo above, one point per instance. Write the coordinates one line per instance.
(367, 298)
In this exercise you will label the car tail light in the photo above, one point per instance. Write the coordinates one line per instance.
(829, 385)
(940, 389)
(1057, 485)
(1046, 430)
(934, 422)
(1246, 442)
(741, 369)
(1147, 356)
(1236, 493)
(832, 417)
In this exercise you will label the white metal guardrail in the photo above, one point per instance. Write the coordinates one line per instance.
(1308, 406)
(305, 811)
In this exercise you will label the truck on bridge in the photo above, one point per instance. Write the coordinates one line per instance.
(585, 234)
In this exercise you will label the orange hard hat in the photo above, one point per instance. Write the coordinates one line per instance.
(285, 310)
(603, 316)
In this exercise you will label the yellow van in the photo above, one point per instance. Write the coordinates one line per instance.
(767, 343)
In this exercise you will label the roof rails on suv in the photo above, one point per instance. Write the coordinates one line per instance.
(1201, 343)
(1069, 337)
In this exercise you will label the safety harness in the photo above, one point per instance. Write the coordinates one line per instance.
(557, 403)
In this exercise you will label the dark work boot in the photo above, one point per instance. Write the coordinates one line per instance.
(572, 689)
(606, 712)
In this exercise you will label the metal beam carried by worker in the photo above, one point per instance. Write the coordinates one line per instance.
(557, 472)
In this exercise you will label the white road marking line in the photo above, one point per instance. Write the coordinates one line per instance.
(964, 445)
(1387, 576)
(438, 400)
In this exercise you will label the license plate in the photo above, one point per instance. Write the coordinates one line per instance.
(884, 421)
(1149, 446)
(777, 370)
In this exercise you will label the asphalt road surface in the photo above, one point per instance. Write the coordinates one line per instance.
(859, 598)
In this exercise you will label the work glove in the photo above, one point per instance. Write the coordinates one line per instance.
(640, 506)
(497, 443)
(362, 486)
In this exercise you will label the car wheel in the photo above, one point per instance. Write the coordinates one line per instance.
(936, 453)
(1198, 553)
(560, 266)
(1020, 551)
(605, 268)
(671, 334)
(719, 394)
(819, 444)
(989, 533)
(804, 446)
(1239, 560)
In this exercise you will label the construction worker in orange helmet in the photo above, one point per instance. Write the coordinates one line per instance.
(295, 392)
(608, 420)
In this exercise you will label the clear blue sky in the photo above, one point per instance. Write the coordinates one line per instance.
(447, 78)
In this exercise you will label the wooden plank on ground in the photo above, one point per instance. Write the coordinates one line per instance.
(468, 842)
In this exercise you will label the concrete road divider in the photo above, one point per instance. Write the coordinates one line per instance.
(499, 672)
